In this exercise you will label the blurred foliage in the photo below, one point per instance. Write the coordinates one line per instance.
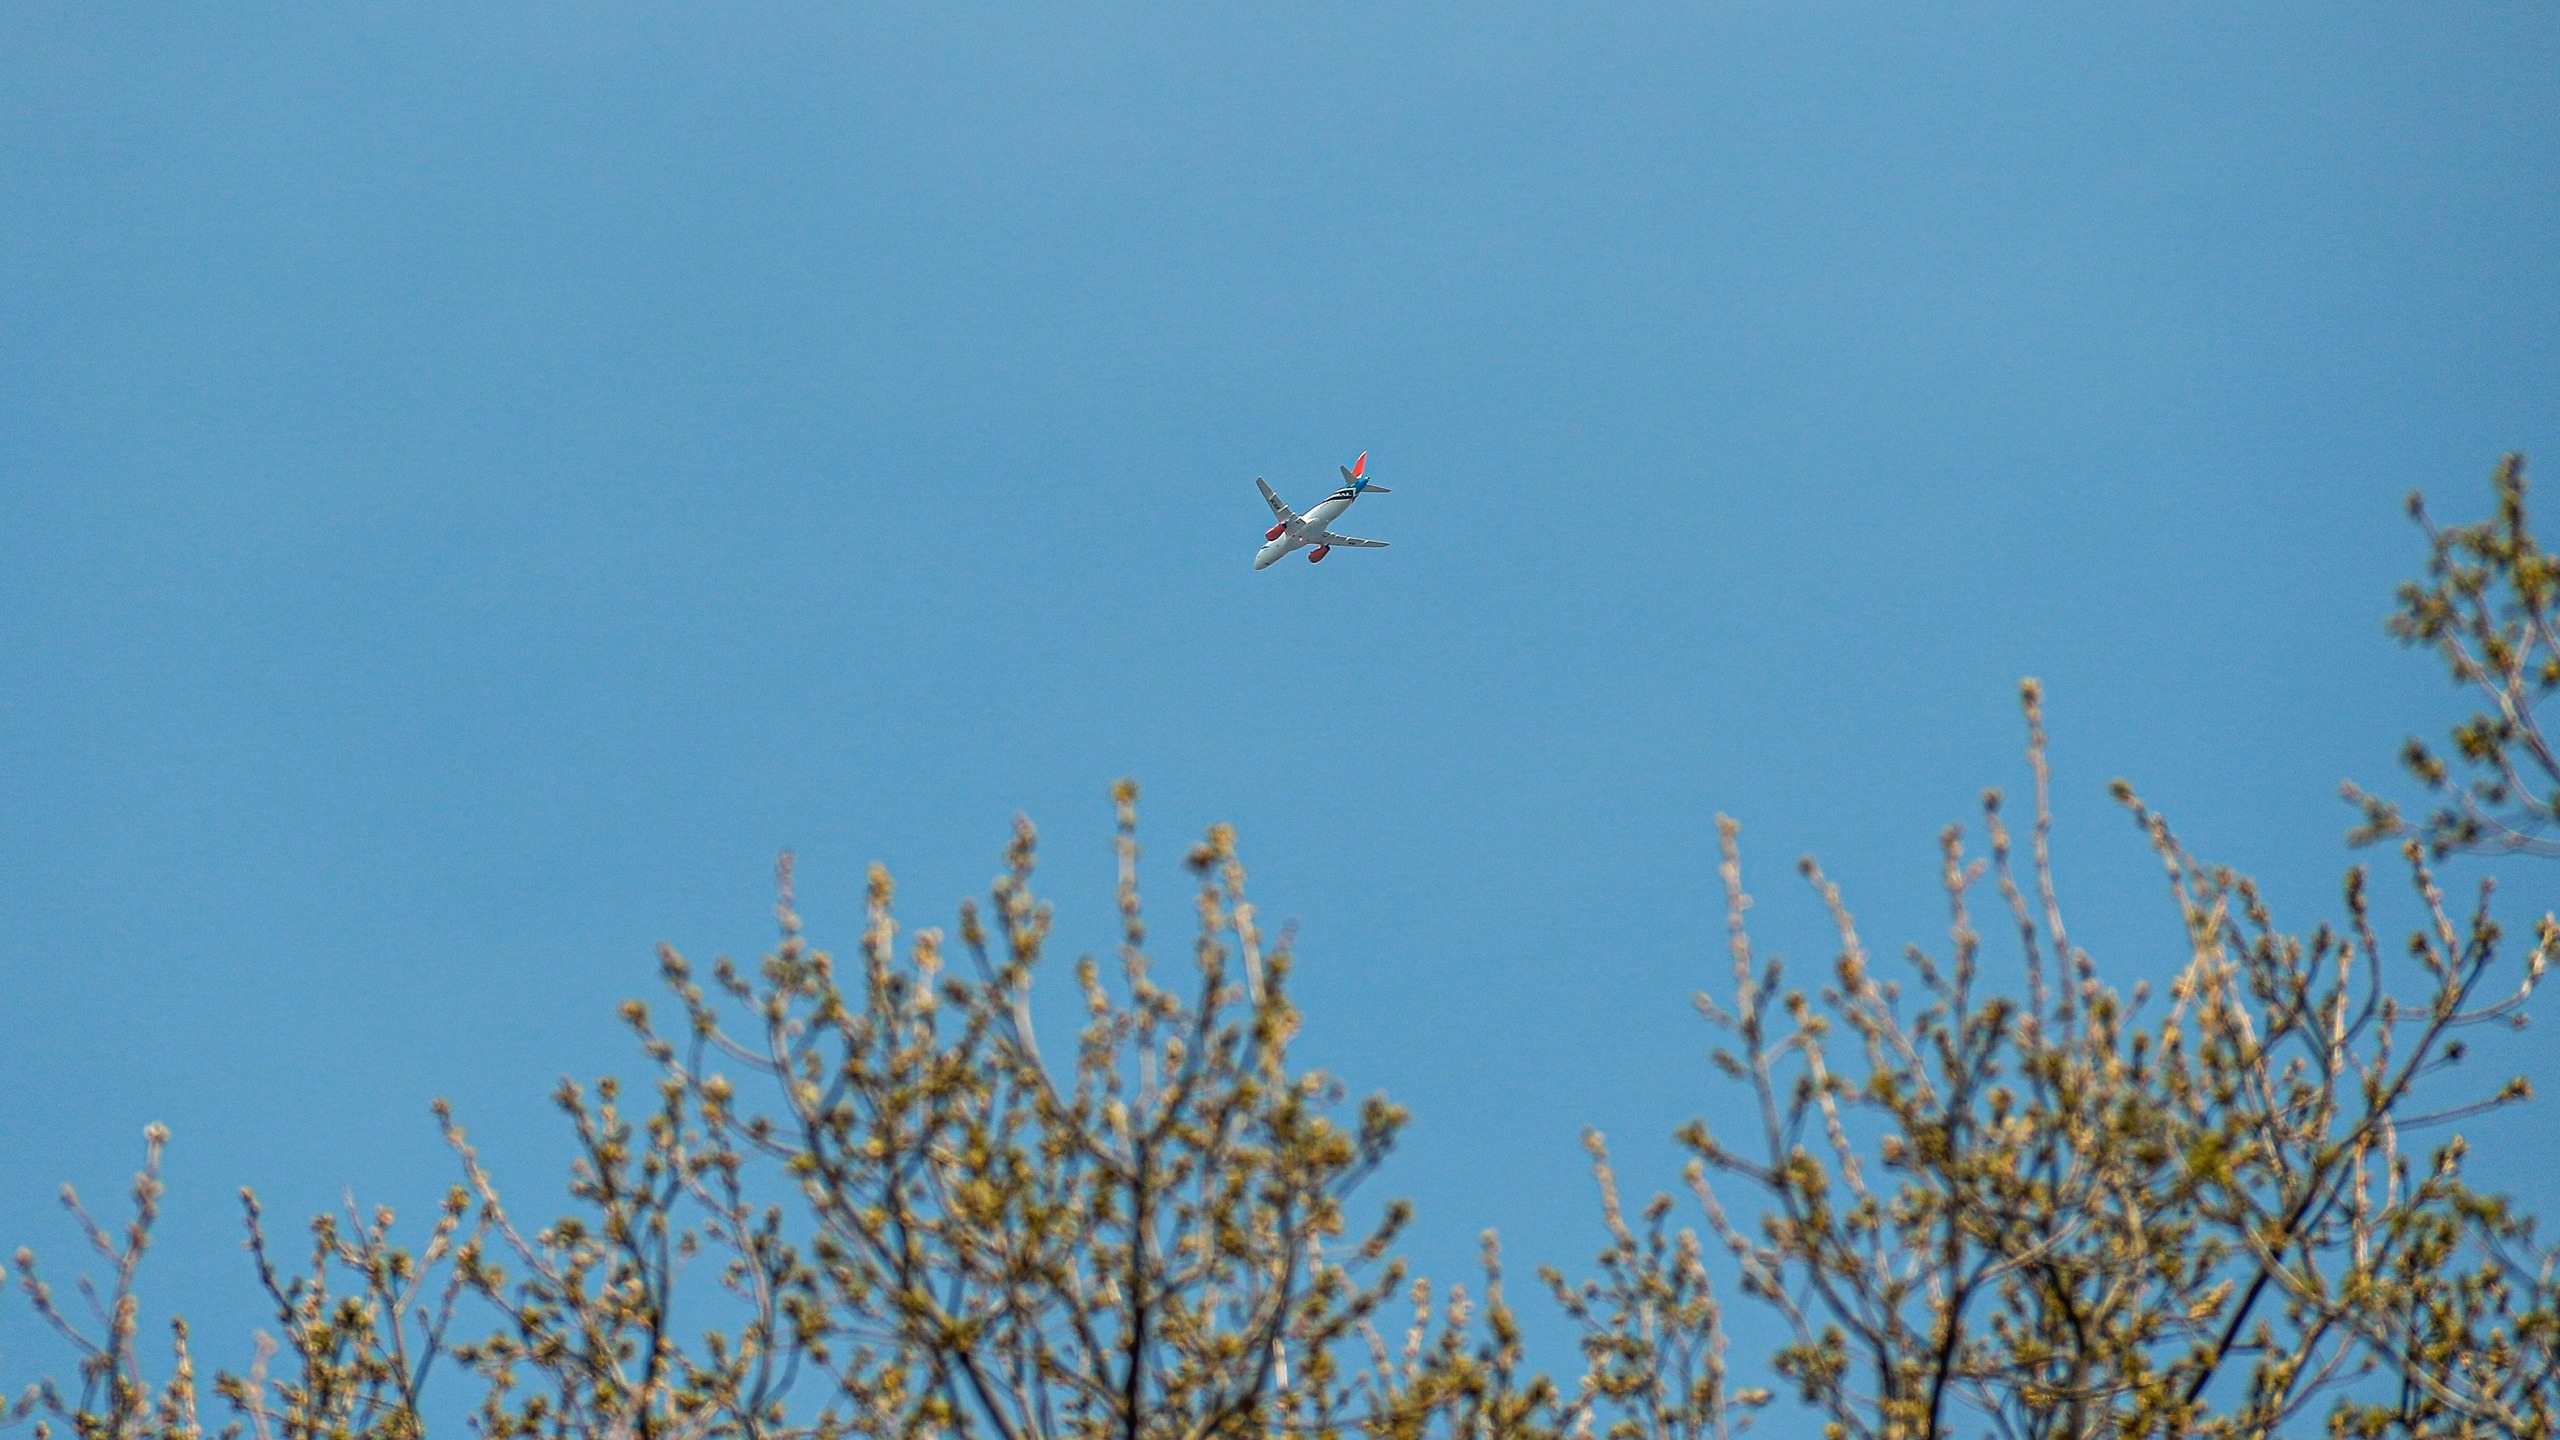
(862, 1201)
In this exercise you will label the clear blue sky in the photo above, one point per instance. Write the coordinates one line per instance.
(475, 482)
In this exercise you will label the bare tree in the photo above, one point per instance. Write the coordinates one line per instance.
(2490, 606)
(115, 1401)
(1153, 1240)
(2036, 1215)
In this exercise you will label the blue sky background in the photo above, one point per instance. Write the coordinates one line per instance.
(475, 482)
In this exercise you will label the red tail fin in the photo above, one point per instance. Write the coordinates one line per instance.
(1360, 464)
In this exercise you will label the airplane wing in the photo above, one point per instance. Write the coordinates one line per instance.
(1279, 511)
(1329, 538)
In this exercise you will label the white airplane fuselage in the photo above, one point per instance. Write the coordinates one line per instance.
(1299, 533)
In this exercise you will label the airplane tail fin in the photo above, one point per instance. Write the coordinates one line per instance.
(1352, 472)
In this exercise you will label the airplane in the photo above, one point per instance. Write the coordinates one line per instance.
(1296, 531)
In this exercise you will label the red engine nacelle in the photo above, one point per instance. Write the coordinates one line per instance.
(1318, 553)
(1274, 532)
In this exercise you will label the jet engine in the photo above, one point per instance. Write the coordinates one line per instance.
(1318, 553)
(1274, 532)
